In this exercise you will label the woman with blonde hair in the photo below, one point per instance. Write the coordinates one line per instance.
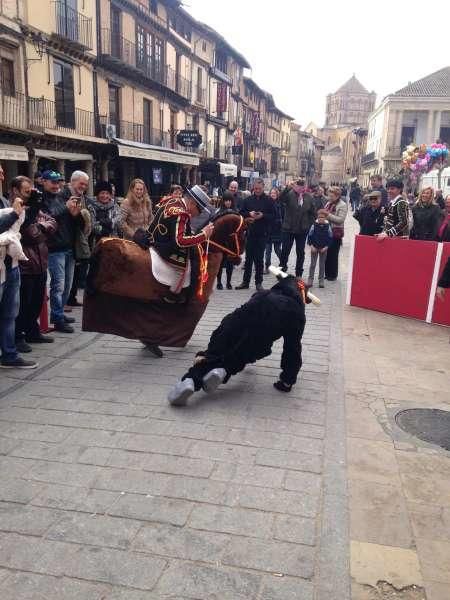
(136, 209)
(427, 217)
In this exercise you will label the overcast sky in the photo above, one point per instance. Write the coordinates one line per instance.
(301, 50)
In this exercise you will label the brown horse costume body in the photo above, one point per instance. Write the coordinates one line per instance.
(125, 299)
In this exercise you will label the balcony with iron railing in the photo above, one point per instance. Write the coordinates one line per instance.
(177, 83)
(72, 26)
(46, 114)
(13, 110)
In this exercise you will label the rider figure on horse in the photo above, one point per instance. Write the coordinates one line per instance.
(171, 239)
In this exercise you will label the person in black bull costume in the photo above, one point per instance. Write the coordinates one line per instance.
(241, 339)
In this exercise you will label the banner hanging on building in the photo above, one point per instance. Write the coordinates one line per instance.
(222, 97)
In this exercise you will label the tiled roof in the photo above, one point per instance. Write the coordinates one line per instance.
(352, 86)
(436, 84)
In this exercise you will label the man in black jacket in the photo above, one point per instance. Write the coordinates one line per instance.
(259, 211)
(61, 261)
(246, 335)
(444, 281)
(371, 217)
(299, 215)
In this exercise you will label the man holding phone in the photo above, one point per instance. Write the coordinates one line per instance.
(61, 263)
(259, 212)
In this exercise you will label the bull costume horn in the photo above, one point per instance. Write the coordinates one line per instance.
(280, 274)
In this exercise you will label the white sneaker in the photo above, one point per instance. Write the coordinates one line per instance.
(178, 396)
(213, 379)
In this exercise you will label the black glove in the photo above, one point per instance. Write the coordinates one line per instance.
(281, 386)
(106, 228)
(142, 239)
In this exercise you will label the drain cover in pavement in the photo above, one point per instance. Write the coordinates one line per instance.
(428, 424)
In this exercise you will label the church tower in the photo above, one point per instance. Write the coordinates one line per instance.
(350, 105)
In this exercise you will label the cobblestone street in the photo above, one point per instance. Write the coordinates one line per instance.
(109, 494)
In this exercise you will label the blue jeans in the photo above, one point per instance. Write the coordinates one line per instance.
(61, 266)
(9, 309)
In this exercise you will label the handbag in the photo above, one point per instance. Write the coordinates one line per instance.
(338, 230)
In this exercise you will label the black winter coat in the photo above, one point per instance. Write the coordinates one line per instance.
(444, 280)
(247, 334)
(427, 219)
(371, 221)
(261, 227)
(64, 238)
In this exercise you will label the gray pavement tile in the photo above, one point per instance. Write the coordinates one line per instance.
(29, 586)
(7, 444)
(115, 567)
(95, 530)
(67, 474)
(223, 452)
(18, 490)
(28, 553)
(270, 556)
(94, 407)
(273, 500)
(161, 463)
(152, 508)
(95, 456)
(154, 443)
(29, 520)
(287, 588)
(239, 521)
(181, 542)
(295, 529)
(64, 452)
(309, 483)
(298, 461)
(207, 583)
(259, 439)
(74, 498)
(40, 433)
(17, 467)
(249, 474)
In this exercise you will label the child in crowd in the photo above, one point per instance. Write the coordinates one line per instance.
(319, 238)
(226, 204)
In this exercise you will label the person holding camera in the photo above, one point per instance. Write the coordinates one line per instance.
(10, 290)
(35, 231)
(61, 246)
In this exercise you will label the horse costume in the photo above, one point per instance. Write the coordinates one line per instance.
(124, 297)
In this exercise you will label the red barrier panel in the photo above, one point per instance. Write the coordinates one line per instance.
(441, 311)
(393, 276)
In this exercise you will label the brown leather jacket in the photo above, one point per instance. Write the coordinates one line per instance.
(34, 243)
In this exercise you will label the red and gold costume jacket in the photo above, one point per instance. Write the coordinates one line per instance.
(170, 232)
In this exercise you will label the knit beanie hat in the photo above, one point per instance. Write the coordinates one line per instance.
(102, 186)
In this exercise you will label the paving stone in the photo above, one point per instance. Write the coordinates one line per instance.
(95, 456)
(239, 521)
(18, 490)
(29, 586)
(7, 444)
(154, 443)
(272, 500)
(77, 499)
(381, 526)
(207, 583)
(28, 431)
(259, 439)
(223, 452)
(309, 483)
(295, 529)
(270, 556)
(182, 543)
(249, 474)
(434, 559)
(160, 463)
(298, 461)
(115, 567)
(28, 553)
(287, 588)
(97, 530)
(54, 472)
(47, 451)
(95, 407)
(152, 508)
(26, 519)
(10, 465)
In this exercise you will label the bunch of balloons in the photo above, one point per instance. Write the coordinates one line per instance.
(421, 159)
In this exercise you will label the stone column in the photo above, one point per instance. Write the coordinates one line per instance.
(430, 129)
(89, 168)
(437, 126)
(398, 129)
(32, 167)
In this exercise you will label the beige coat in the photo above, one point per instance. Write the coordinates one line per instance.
(132, 218)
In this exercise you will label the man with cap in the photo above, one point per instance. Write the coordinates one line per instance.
(170, 239)
(371, 216)
(61, 263)
(247, 335)
(396, 223)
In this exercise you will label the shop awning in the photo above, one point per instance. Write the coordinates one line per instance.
(59, 155)
(8, 152)
(130, 149)
(228, 169)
